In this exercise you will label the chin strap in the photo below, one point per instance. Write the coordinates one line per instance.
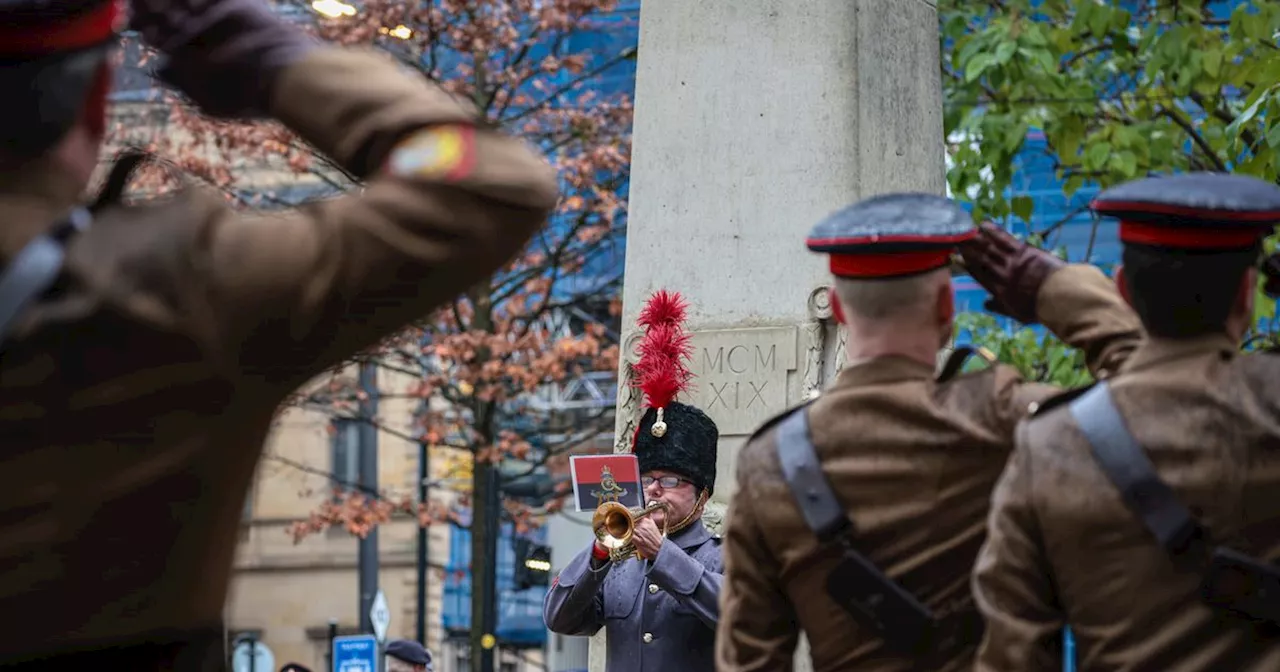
(693, 515)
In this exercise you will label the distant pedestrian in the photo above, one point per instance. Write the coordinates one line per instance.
(406, 655)
(295, 667)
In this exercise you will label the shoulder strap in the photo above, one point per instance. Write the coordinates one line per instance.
(803, 473)
(957, 359)
(1130, 470)
(35, 267)
(1057, 400)
(113, 187)
(771, 422)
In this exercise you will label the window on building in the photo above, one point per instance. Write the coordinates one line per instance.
(345, 453)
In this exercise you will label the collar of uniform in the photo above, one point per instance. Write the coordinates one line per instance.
(1155, 352)
(691, 536)
(886, 369)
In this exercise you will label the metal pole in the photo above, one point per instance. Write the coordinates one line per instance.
(253, 653)
(333, 634)
(493, 529)
(423, 470)
(368, 558)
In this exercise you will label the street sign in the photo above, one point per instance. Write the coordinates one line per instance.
(380, 616)
(355, 653)
(255, 659)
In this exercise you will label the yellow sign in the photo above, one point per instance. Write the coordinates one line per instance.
(487, 641)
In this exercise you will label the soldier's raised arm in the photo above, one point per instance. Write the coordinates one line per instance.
(1074, 301)
(446, 200)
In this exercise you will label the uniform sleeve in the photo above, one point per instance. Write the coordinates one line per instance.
(574, 605)
(688, 581)
(1012, 580)
(757, 630)
(445, 202)
(1083, 308)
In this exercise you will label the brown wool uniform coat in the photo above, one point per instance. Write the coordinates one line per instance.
(135, 401)
(1064, 548)
(914, 461)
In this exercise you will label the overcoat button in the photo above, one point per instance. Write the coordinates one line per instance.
(653, 588)
(648, 637)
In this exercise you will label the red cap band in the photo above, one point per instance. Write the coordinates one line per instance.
(1190, 237)
(79, 32)
(888, 265)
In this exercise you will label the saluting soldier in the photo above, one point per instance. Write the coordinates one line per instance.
(659, 611)
(1143, 511)
(146, 348)
(858, 516)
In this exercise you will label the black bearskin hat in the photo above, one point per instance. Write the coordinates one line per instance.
(672, 436)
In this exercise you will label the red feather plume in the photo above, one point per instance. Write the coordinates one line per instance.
(661, 372)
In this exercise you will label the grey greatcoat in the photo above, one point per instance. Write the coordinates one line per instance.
(658, 615)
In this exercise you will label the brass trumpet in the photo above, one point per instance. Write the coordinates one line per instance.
(614, 524)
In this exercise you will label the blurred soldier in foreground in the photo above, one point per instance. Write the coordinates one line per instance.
(858, 516)
(147, 348)
(659, 612)
(1143, 511)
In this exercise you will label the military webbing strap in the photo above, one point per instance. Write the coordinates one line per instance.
(826, 518)
(35, 267)
(1129, 469)
(822, 512)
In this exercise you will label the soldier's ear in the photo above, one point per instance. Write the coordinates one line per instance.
(95, 105)
(946, 303)
(837, 310)
(1122, 285)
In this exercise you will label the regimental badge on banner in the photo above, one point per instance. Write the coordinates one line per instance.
(606, 478)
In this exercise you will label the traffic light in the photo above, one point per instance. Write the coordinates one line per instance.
(533, 563)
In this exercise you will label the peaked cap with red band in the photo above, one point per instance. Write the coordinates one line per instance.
(672, 436)
(31, 29)
(1193, 211)
(893, 235)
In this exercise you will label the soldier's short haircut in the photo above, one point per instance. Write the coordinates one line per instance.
(44, 100)
(884, 298)
(1184, 293)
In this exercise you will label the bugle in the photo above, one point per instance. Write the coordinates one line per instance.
(615, 523)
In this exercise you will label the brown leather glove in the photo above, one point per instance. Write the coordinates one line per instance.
(1011, 270)
(223, 54)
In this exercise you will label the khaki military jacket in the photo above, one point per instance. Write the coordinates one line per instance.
(135, 400)
(913, 460)
(1065, 550)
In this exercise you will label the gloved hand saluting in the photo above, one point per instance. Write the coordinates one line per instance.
(223, 54)
(1011, 270)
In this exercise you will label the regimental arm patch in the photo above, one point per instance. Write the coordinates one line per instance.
(443, 153)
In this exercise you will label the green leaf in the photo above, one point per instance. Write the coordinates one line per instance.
(976, 66)
(1213, 63)
(1125, 163)
(1023, 206)
(1005, 51)
(1095, 156)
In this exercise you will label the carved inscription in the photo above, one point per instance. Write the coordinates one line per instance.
(740, 375)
